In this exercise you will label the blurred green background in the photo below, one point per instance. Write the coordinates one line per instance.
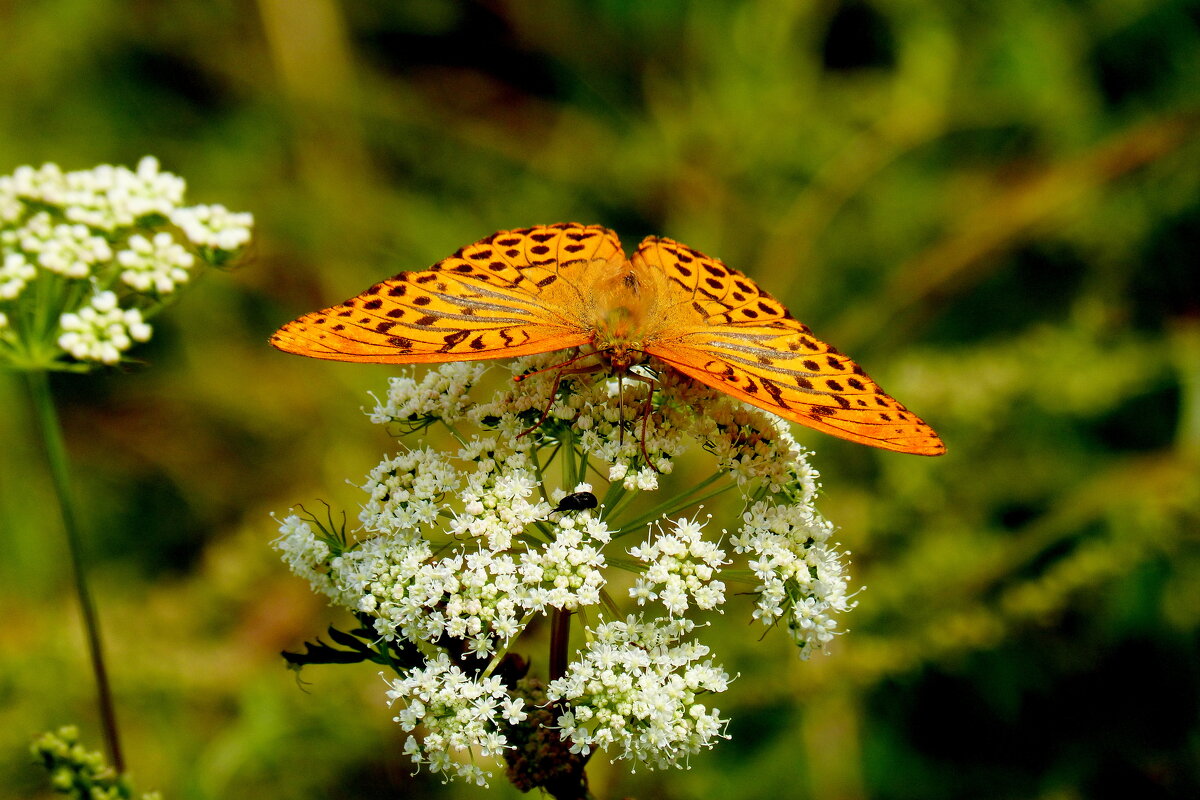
(994, 207)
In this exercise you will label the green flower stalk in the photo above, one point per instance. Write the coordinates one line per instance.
(87, 259)
(81, 773)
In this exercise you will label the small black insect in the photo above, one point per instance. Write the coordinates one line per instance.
(577, 502)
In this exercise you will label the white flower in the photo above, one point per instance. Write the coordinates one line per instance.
(635, 693)
(11, 208)
(15, 272)
(213, 226)
(800, 575)
(681, 565)
(307, 554)
(461, 549)
(441, 394)
(471, 597)
(568, 573)
(70, 250)
(459, 715)
(158, 263)
(103, 225)
(101, 331)
(512, 709)
(406, 492)
(105, 197)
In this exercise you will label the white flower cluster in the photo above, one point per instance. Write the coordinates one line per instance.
(500, 497)
(157, 264)
(306, 553)
(71, 250)
(482, 591)
(636, 691)
(15, 272)
(458, 713)
(681, 566)
(105, 198)
(605, 415)
(460, 548)
(441, 394)
(101, 330)
(105, 247)
(214, 226)
(407, 491)
(802, 578)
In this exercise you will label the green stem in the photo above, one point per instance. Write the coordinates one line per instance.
(646, 519)
(675, 503)
(568, 454)
(56, 452)
(610, 604)
(541, 479)
(546, 531)
(580, 472)
(458, 437)
(616, 491)
(627, 499)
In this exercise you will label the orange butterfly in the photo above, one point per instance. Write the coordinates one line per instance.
(552, 287)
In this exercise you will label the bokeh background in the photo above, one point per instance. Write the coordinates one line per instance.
(994, 207)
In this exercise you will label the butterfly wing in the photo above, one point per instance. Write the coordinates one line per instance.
(510, 294)
(731, 335)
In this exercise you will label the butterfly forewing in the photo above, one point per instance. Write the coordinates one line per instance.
(507, 295)
(734, 337)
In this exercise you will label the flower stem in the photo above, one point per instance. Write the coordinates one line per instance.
(569, 477)
(56, 453)
(570, 782)
(560, 638)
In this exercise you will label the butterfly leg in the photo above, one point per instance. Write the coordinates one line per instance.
(562, 373)
(647, 407)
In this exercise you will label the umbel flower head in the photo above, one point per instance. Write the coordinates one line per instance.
(459, 552)
(88, 257)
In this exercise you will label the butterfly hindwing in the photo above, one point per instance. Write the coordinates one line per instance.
(507, 295)
(743, 342)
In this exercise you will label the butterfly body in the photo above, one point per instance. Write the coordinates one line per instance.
(618, 329)
(553, 287)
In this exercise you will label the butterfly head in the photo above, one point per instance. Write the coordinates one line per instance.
(620, 356)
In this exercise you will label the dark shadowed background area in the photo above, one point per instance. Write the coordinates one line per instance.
(994, 207)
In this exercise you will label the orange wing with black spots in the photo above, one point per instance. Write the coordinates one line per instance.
(551, 287)
(513, 293)
(733, 336)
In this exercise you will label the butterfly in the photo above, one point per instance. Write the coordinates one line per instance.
(554, 287)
